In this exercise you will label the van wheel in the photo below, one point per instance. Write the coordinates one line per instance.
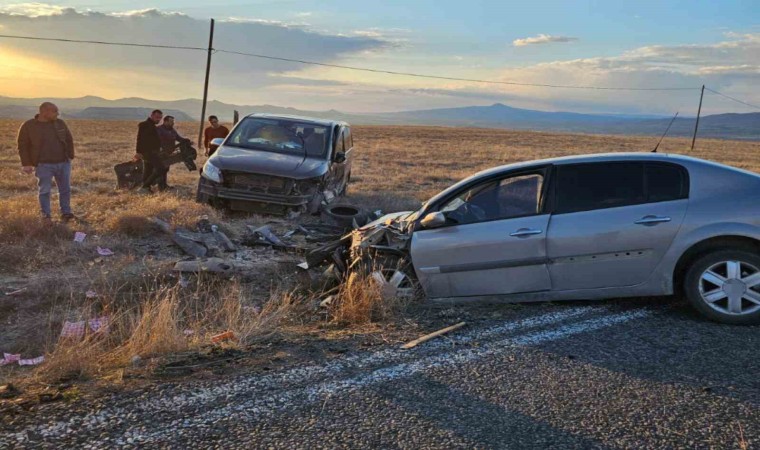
(724, 285)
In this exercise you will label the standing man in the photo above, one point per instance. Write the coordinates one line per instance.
(46, 147)
(149, 149)
(213, 132)
(169, 138)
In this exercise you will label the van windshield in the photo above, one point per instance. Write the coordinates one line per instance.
(280, 136)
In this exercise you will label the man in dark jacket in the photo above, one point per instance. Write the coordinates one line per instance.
(149, 150)
(169, 138)
(46, 147)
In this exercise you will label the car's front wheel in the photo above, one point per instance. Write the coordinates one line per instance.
(724, 285)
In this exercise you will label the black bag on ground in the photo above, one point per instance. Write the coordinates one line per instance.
(129, 174)
(186, 155)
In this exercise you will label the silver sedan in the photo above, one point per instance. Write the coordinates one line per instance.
(585, 227)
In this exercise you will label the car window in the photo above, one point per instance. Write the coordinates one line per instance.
(584, 187)
(280, 136)
(666, 182)
(510, 197)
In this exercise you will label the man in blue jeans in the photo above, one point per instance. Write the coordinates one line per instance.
(46, 148)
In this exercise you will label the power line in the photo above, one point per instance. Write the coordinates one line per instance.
(734, 99)
(437, 77)
(78, 41)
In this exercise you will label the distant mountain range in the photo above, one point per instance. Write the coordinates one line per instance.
(723, 126)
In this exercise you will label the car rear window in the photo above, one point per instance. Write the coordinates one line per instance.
(585, 187)
(666, 182)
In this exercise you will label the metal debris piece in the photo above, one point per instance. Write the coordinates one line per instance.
(266, 235)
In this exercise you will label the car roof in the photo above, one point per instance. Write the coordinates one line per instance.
(314, 120)
(605, 157)
(593, 158)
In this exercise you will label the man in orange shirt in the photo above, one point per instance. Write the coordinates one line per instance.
(213, 132)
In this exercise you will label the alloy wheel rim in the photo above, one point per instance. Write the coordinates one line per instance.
(394, 283)
(731, 287)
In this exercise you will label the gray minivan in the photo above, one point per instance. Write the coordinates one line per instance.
(276, 164)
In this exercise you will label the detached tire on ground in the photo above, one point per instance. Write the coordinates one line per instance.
(343, 215)
(724, 285)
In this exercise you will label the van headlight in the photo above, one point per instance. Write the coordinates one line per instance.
(211, 172)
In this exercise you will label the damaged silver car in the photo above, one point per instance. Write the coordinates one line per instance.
(277, 164)
(586, 227)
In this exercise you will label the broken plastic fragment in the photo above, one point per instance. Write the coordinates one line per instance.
(304, 266)
(79, 237)
(100, 324)
(105, 251)
(31, 362)
(16, 292)
(72, 330)
(9, 358)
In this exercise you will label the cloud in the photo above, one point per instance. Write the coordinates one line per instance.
(169, 72)
(542, 39)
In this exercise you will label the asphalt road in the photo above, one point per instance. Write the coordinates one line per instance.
(626, 374)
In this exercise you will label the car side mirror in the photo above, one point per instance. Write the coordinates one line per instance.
(340, 157)
(433, 220)
(216, 142)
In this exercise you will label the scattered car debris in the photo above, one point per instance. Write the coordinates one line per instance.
(101, 325)
(31, 362)
(9, 358)
(16, 292)
(264, 236)
(73, 329)
(432, 335)
(226, 336)
(79, 237)
(209, 241)
(105, 251)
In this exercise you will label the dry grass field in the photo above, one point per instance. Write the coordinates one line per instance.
(396, 168)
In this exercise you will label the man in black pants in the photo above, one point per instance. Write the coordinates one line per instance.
(149, 150)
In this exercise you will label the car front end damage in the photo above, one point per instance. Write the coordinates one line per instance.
(379, 250)
(263, 194)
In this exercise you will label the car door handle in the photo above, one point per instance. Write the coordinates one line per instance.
(523, 232)
(652, 220)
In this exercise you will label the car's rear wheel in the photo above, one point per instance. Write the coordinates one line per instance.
(724, 285)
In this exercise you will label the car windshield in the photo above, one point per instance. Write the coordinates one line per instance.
(280, 136)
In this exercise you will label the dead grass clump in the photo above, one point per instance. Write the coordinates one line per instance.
(166, 321)
(130, 225)
(360, 301)
(21, 222)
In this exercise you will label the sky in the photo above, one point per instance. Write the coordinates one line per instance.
(643, 44)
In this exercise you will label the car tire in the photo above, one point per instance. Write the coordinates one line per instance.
(343, 215)
(724, 285)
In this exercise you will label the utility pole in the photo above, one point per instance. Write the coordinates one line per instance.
(699, 111)
(205, 85)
